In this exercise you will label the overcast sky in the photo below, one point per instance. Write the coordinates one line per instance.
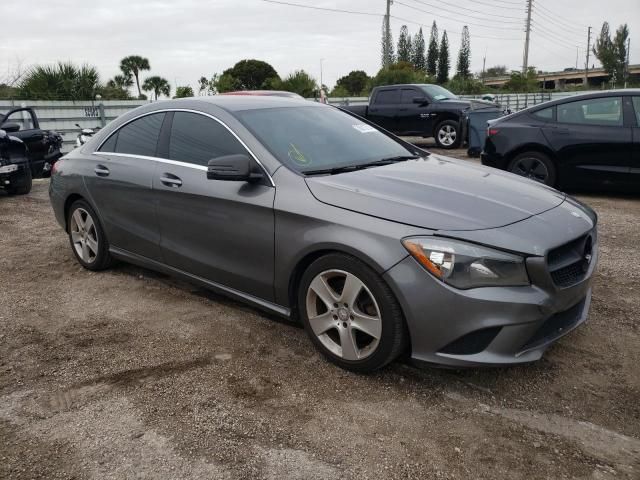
(185, 39)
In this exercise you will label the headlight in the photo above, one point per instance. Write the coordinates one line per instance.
(465, 265)
(8, 168)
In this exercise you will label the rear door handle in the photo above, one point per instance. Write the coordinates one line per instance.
(170, 180)
(101, 171)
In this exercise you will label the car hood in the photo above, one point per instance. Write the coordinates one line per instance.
(455, 103)
(437, 193)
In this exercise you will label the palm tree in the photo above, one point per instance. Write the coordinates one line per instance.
(121, 82)
(157, 85)
(133, 65)
(63, 81)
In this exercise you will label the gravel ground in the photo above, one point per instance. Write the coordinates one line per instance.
(130, 374)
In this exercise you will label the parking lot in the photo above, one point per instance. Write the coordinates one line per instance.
(128, 373)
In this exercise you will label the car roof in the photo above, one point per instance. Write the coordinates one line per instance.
(582, 96)
(237, 103)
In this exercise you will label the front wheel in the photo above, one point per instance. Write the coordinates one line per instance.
(447, 134)
(350, 313)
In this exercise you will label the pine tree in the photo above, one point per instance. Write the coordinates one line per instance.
(404, 45)
(417, 57)
(432, 53)
(464, 55)
(388, 57)
(443, 60)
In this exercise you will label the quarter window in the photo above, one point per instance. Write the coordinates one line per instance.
(388, 97)
(598, 111)
(139, 137)
(544, 114)
(198, 139)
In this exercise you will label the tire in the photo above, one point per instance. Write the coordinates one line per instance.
(24, 187)
(536, 166)
(447, 134)
(375, 309)
(86, 236)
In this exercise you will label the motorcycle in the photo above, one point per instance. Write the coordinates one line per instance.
(85, 135)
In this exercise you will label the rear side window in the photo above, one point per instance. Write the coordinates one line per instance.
(544, 114)
(139, 137)
(636, 107)
(386, 97)
(197, 139)
(598, 111)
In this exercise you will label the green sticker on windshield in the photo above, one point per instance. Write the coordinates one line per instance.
(297, 156)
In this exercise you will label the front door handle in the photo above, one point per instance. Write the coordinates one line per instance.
(101, 171)
(171, 180)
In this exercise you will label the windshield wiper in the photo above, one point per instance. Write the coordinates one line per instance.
(352, 168)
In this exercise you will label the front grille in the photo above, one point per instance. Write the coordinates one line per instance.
(555, 326)
(569, 263)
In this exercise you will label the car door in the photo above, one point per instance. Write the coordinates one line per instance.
(30, 133)
(222, 231)
(383, 109)
(591, 140)
(410, 120)
(119, 181)
(635, 154)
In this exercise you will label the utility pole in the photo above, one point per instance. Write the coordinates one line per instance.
(586, 66)
(484, 63)
(387, 47)
(321, 60)
(525, 60)
(626, 70)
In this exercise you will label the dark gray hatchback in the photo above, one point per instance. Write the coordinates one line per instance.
(376, 246)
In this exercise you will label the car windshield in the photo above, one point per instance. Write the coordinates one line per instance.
(319, 138)
(437, 92)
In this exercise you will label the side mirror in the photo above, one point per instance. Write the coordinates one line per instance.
(421, 100)
(235, 168)
(11, 127)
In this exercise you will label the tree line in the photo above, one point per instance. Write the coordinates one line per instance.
(410, 60)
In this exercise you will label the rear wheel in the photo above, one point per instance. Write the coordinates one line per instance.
(350, 313)
(447, 134)
(535, 166)
(87, 238)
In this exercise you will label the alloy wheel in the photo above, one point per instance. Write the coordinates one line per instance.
(344, 315)
(84, 235)
(532, 168)
(447, 135)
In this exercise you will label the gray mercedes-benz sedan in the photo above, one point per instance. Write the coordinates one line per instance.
(378, 247)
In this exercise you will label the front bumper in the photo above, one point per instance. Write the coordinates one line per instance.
(488, 326)
(12, 174)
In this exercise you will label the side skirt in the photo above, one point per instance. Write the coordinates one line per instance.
(216, 287)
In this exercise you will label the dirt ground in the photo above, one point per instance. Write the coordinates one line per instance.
(130, 374)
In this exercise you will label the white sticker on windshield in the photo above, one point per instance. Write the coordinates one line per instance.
(363, 128)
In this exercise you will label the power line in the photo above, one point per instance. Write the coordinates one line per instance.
(559, 17)
(568, 43)
(338, 10)
(518, 8)
(471, 10)
(475, 35)
(454, 19)
(557, 23)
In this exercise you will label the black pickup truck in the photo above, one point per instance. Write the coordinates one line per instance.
(416, 110)
(43, 146)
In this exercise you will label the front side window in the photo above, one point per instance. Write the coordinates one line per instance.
(22, 118)
(197, 139)
(139, 137)
(315, 138)
(408, 94)
(598, 111)
(388, 97)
